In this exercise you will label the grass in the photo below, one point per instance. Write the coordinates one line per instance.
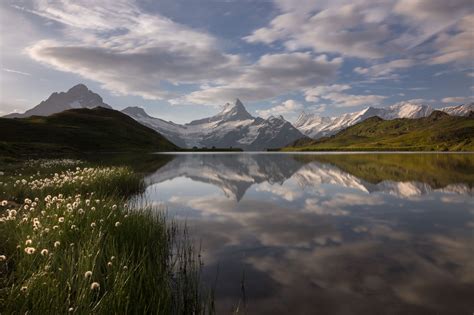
(438, 132)
(70, 244)
(78, 130)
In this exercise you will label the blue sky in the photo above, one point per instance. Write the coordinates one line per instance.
(181, 60)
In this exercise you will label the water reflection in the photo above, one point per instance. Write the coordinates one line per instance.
(329, 234)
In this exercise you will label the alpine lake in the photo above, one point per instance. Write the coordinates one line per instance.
(325, 233)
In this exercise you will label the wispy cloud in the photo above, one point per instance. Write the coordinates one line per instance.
(16, 71)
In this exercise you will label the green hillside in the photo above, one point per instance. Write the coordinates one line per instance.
(78, 131)
(438, 132)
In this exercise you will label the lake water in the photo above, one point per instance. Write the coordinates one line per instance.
(328, 233)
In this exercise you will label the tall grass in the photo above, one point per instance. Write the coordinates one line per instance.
(70, 244)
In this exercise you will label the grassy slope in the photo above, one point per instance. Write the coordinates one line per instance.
(79, 130)
(439, 131)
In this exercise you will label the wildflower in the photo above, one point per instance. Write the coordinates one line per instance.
(88, 274)
(28, 242)
(117, 224)
(4, 203)
(112, 258)
(61, 219)
(23, 289)
(28, 201)
(95, 286)
(73, 227)
(93, 208)
(125, 267)
(55, 227)
(93, 225)
(57, 244)
(3, 257)
(30, 250)
(71, 309)
(109, 264)
(114, 207)
(44, 252)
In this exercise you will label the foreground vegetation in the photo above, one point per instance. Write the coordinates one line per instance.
(78, 131)
(70, 244)
(438, 132)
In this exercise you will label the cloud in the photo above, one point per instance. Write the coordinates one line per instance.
(373, 30)
(456, 99)
(130, 51)
(348, 29)
(287, 107)
(16, 71)
(338, 97)
(385, 70)
(270, 76)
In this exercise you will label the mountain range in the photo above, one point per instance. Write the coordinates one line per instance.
(314, 126)
(436, 132)
(234, 126)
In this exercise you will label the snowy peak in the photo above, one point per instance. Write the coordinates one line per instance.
(459, 110)
(135, 112)
(79, 96)
(235, 111)
(316, 126)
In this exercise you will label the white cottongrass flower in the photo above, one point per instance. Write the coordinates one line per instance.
(95, 286)
(88, 274)
(61, 219)
(23, 289)
(109, 264)
(57, 244)
(71, 309)
(3, 257)
(44, 252)
(114, 207)
(30, 250)
(93, 225)
(4, 203)
(28, 242)
(117, 224)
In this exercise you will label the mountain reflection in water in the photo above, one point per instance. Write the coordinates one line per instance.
(328, 233)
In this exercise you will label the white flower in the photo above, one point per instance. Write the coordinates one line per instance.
(61, 219)
(4, 203)
(30, 250)
(23, 289)
(57, 244)
(44, 252)
(3, 257)
(28, 242)
(117, 224)
(95, 286)
(88, 274)
(109, 264)
(114, 207)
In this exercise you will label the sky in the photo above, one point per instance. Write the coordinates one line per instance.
(183, 59)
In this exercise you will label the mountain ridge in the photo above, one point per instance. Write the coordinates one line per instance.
(437, 132)
(314, 126)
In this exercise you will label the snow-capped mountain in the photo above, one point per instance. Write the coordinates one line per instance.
(79, 96)
(233, 126)
(315, 126)
(460, 110)
(168, 129)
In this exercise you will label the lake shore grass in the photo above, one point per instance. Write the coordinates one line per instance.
(71, 244)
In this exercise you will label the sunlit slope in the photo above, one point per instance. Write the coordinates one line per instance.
(83, 130)
(439, 131)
